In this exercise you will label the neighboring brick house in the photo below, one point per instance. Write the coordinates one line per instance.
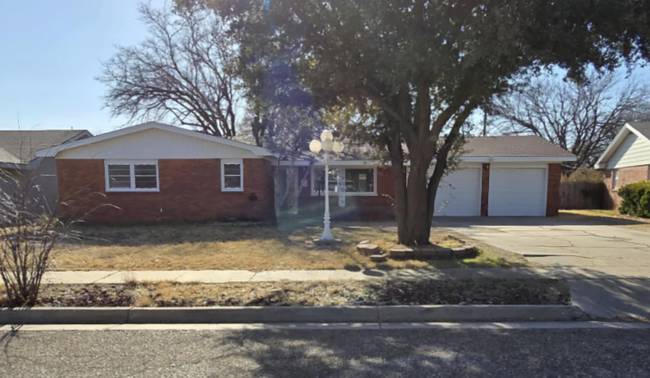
(625, 161)
(22, 171)
(156, 172)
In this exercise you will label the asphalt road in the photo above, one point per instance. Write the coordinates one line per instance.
(328, 353)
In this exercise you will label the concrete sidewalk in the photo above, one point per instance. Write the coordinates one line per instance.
(225, 276)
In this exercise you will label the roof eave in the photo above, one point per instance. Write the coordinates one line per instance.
(51, 152)
(601, 163)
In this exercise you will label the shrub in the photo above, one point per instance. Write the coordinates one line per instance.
(636, 199)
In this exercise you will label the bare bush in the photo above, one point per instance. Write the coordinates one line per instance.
(27, 239)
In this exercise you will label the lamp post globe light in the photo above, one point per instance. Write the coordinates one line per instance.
(327, 145)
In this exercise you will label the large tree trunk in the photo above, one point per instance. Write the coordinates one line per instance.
(418, 229)
(399, 176)
(416, 195)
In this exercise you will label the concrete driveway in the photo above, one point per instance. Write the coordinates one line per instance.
(608, 263)
(597, 244)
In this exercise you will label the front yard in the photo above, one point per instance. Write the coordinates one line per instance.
(243, 246)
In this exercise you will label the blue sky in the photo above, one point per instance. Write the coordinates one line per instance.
(50, 54)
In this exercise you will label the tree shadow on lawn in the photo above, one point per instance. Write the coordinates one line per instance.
(430, 352)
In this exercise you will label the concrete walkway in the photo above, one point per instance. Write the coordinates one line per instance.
(225, 276)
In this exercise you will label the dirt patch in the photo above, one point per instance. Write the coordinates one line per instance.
(319, 293)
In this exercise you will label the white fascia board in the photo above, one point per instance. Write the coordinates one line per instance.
(47, 152)
(471, 159)
(515, 159)
(338, 163)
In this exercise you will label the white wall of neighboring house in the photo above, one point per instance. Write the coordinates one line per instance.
(156, 144)
(633, 151)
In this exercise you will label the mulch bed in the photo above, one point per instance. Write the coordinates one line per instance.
(169, 294)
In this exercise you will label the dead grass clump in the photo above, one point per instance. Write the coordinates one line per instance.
(317, 293)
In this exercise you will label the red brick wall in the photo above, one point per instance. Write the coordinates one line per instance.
(364, 208)
(190, 189)
(553, 190)
(626, 176)
(485, 189)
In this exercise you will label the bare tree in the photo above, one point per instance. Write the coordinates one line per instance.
(581, 118)
(181, 72)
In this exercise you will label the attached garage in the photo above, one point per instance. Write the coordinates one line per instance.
(495, 176)
(517, 191)
(459, 194)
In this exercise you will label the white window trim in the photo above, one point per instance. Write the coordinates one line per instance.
(615, 179)
(241, 179)
(131, 164)
(347, 194)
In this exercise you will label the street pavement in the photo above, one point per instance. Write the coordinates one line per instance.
(327, 353)
(607, 264)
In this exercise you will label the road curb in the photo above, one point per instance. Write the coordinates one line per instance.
(225, 315)
(472, 313)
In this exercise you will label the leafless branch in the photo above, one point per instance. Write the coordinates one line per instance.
(581, 118)
(181, 72)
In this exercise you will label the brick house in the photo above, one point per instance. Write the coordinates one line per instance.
(625, 161)
(496, 176)
(156, 172)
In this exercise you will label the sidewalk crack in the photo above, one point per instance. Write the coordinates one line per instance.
(108, 275)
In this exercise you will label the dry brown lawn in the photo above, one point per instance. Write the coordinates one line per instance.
(316, 293)
(237, 246)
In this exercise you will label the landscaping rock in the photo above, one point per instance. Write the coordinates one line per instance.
(368, 249)
(400, 251)
(379, 258)
(464, 252)
(434, 252)
(426, 252)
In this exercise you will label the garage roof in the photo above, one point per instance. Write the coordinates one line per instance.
(513, 146)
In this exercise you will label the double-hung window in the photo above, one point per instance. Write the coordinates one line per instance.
(131, 176)
(232, 175)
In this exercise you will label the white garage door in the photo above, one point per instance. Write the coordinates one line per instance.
(459, 194)
(517, 192)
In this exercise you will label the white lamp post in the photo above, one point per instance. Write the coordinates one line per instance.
(327, 145)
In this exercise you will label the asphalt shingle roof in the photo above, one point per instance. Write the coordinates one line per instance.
(20, 146)
(513, 146)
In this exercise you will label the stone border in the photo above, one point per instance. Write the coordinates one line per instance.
(360, 314)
